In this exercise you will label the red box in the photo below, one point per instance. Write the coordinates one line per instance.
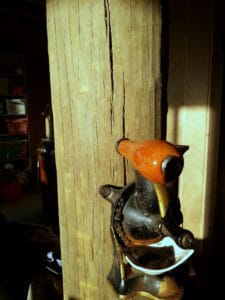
(17, 126)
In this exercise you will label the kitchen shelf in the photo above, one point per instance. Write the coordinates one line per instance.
(13, 115)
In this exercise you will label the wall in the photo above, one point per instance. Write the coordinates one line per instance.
(194, 99)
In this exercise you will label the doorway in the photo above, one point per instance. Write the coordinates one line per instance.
(24, 45)
(26, 214)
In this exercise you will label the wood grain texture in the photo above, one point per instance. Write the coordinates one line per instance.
(105, 82)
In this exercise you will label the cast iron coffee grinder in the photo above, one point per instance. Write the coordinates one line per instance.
(151, 248)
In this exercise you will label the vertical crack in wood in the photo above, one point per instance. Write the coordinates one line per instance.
(111, 52)
(124, 130)
(109, 33)
(164, 66)
(123, 112)
(148, 51)
(106, 18)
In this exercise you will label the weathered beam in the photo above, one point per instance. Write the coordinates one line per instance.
(105, 82)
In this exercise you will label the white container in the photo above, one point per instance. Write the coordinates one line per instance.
(15, 106)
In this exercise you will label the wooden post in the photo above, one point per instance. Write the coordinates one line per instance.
(105, 83)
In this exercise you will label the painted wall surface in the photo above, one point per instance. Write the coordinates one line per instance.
(194, 99)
